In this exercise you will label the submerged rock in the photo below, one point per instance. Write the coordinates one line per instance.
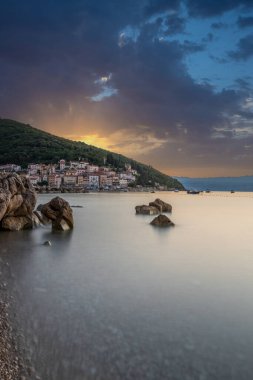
(146, 210)
(162, 221)
(154, 208)
(47, 242)
(60, 213)
(161, 205)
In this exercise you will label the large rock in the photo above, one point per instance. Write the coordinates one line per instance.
(43, 220)
(5, 197)
(17, 200)
(146, 210)
(162, 221)
(14, 204)
(60, 213)
(161, 205)
(17, 223)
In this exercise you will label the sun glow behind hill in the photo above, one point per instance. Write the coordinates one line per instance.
(127, 142)
(93, 139)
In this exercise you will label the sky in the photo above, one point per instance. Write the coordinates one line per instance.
(167, 82)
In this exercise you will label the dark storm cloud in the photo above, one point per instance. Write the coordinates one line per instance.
(245, 22)
(174, 24)
(54, 53)
(244, 49)
(158, 6)
(208, 38)
(157, 90)
(244, 83)
(192, 47)
(218, 25)
(209, 8)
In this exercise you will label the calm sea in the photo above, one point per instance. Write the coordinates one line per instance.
(120, 299)
(219, 183)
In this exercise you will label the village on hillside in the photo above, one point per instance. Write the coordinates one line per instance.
(77, 176)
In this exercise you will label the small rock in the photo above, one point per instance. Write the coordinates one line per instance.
(146, 210)
(162, 221)
(48, 243)
(161, 205)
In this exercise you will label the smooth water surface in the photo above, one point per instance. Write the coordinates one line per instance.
(120, 299)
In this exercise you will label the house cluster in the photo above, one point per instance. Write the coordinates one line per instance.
(77, 175)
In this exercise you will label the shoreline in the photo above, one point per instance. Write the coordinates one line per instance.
(10, 368)
(12, 361)
(224, 193)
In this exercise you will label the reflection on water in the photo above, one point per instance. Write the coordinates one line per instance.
(120, 299)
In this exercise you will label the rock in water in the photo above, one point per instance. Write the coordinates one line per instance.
(146, 210)
(47, 242)
(161, 205)
(60, 213)
(17, 223)
(17, 202)
(162, 221)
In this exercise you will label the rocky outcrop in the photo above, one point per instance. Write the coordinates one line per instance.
(17, 223)
(146, 210)
(161, 205)
(60, 213)
(17, 202)
(162, 221)
(154, 208)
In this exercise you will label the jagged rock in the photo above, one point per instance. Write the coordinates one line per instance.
(14, 204)
(17, 223)
(153, 208)
(60, 225)
(161, 205)
(17, 200)
(36, 221)
(60, 213)
(146, 210)
(39, 207)
(162, 221)
(42, 218)
(5, 197)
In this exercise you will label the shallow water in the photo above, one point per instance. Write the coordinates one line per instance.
(120, 299)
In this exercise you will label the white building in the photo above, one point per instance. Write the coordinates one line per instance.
(128, 176)
(123, 182)
(82, 165)
(10, 168)
(92, 168)
(54, 180)
(93, 181)
(33, 169)
(62, 164)
(34, 179)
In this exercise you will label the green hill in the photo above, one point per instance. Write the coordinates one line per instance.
(22, 144)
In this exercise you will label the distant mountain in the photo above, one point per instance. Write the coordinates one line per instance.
(244, 183)
(22, 144)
